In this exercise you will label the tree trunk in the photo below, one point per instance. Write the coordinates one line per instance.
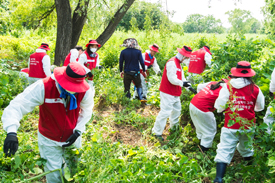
(110, 29)
(64, 31)
(78, 21)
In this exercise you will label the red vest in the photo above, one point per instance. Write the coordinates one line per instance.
(91, 62)
(206, 98)
(165, 85)
(55, 121)
(244, 99)
(68, 59)
(148, 61)
(197, 63)
(36, 65)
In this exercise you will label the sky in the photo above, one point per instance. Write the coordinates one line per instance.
(217, 8)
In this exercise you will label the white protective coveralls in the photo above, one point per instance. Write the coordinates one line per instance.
(170, 106)
(268, 119)
(46, 66)
(82, 60)
(230, 137)
(205, 122)
(49, 149)
(155, 67)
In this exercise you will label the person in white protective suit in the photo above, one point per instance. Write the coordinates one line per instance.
(39, 64)
(150, 61)
(269, 120)
(245, 97)
(65, 103)
(89, 59)
(170, 90)
(201, 111)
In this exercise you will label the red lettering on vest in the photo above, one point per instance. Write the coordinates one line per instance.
(244, 101)
(55, 121)
(197, 63)
(206, 98)
(36, 66)
(165, 85)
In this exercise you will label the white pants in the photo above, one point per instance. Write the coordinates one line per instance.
(228, 142)
(144, 87)
(205, 123)
(55, 155)
(170, 106)
(268, 119)
(33, 80)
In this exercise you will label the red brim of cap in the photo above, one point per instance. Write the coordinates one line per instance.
(68, 83)
(237, 72)
(183, 52)
(93, 43)
(153, 48)
(44, 48)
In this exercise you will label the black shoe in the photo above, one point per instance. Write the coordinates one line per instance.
(159, 137)
(249, 160)
(220, 171)
(204, 149)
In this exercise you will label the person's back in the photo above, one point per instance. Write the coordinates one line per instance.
(131, 57)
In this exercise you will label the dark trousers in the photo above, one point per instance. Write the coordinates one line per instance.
(127, 83)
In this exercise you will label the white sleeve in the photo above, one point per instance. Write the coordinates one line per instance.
(74, 55)
(97, 61)
(22, 104)
(29, 63)
(82, 60)
(207, 58)
(172, 74)
(186, 62)
(201, 86)
(156, 66)
(47, 65)
(260, 102)
(222, 98)
(272, 82)
(86, 107)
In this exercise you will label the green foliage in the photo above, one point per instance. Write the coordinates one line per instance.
(242, 21)
(148, 15)
(202, 24)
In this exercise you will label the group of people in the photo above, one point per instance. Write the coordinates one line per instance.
(66, 100)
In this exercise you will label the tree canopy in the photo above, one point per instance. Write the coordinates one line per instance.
(202, 24)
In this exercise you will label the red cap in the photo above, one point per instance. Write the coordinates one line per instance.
(185, 51)
(93, 41)
(207, 49)
(154, 47)
(243, 69)
(72, 77)
(44, 46)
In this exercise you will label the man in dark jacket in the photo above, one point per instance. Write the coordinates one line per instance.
(132, 57)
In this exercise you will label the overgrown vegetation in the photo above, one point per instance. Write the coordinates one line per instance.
(118, 145)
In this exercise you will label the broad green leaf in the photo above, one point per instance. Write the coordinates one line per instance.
(271, 161)
(17, 160)
(67, 173)
(230, 123)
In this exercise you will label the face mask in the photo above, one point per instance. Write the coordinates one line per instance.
(93, 49)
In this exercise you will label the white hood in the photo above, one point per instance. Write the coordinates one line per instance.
(239, 82)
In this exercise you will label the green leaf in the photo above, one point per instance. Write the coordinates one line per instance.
(37, 170)
(67, 173)
(263, 126)
(17, 160)
(230, 123)
(271, 161)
